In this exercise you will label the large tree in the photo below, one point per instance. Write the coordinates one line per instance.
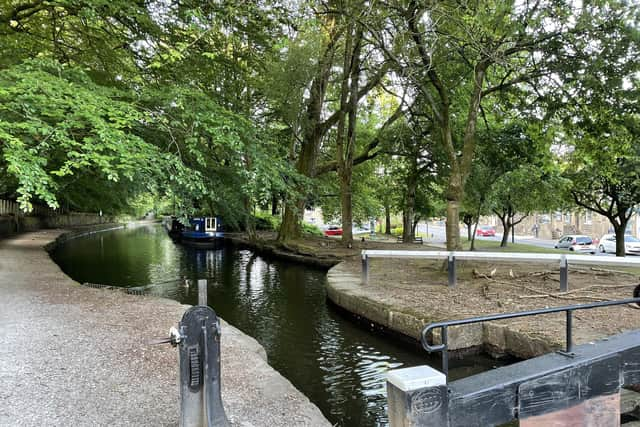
(600, 125)
(604, 169)
(345, 71)
(458, 54)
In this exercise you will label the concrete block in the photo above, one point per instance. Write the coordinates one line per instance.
(417, 396)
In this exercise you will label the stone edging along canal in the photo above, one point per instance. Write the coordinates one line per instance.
(344, 288)
(88, 348)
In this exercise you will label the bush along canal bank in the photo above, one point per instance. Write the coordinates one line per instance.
(72, 355)
(339, 365)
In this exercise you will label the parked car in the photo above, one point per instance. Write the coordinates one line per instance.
(608, 244)
(333, 230)
(486, 230)
(576, 243)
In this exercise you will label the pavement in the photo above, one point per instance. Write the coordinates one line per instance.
(77, 356)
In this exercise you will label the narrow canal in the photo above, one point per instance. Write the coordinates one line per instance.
(338, 364)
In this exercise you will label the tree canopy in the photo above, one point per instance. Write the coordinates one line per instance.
(224, 107)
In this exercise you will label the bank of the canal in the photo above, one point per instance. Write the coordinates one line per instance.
(405, 295)
(72, 355)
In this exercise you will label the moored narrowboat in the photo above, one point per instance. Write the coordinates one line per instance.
(201, 232)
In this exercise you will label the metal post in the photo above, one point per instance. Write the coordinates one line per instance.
(417, 396)
(445, 351)
(564, 274)
(569, 332)
(202, 292)
(365, 269)
(199, 345)
(451, 270)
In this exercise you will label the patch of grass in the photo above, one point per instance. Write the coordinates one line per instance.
(494, 246)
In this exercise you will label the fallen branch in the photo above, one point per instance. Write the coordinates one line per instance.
(541, 273)
(604, 270)
(566, 297)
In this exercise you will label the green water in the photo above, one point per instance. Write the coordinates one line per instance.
(337, 363)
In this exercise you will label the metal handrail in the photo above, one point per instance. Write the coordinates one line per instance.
(452, 256)
(568, 309)
(521, 256)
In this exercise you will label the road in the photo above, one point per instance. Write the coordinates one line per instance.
(437, 234)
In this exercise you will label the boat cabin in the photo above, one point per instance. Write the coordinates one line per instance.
(206, 224)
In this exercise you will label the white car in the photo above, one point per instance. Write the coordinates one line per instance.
(576, 243)
(608, 244)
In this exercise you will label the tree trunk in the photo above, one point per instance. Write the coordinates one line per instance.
(387, 220)
(473, 237)
(345, 152)
(416, 220)
(454, 196)
(407, 215)
(347, 208)
(506, 227)
(312, 136)
(475, 228)
(249, 224)
(467, 219)
(410, 202)
(274, 205)
(290, 226)
(620, 231)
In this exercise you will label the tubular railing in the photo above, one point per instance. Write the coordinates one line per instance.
(568, 309)
(452, 256)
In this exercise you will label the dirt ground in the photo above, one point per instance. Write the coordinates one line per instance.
(420, 287)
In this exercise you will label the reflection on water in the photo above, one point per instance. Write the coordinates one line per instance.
(337, 364)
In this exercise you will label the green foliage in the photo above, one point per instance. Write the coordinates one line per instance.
(397, 231)
(266, 222)
(526, 189)
(203, 107)
(311, 229)
(56, 125)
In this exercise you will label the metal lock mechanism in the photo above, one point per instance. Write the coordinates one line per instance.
(198, 340)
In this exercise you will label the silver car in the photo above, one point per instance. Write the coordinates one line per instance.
(608, 244)
(576, 243)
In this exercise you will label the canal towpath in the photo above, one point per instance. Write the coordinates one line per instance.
(72, 355)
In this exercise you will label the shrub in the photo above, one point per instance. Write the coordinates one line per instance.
(311, 229)
(266, 222)
(397, 231)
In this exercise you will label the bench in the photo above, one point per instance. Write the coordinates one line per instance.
(417, 240)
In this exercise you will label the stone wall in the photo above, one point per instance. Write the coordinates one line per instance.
(11, 224)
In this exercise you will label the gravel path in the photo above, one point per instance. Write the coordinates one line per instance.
(76, 356)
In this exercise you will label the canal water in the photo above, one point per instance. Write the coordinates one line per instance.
(337, 363)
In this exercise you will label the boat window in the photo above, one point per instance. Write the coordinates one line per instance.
(211, 223)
